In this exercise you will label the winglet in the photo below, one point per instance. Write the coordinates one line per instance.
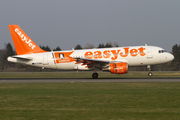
(22, 42)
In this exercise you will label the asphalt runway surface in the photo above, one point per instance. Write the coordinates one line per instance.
(85, 80)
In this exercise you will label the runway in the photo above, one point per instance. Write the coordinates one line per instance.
(84, 80)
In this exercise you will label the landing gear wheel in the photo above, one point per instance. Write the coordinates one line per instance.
(150, 74)
(95, 75)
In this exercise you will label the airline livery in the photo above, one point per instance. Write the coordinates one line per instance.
(115, 60)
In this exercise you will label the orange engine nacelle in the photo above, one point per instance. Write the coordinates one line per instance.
(119, 68)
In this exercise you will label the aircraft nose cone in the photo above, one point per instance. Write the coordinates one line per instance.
(171, 57)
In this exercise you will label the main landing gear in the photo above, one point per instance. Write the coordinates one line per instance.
(150, 73)
(95, 75)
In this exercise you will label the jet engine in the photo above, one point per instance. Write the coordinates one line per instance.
(117, 68)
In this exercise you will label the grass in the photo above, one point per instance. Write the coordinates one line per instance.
(90, 101)
(85, 75)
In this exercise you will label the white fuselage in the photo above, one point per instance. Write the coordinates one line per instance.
(134, 56)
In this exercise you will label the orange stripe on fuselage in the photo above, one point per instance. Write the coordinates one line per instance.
(66, 58)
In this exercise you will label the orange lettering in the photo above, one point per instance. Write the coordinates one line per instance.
(115, 54)
(88, 55)
(106, 54)
(97, 54)
(134, 52)
(141, 52)
(126, 52)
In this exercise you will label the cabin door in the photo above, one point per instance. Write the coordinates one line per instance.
(45, 59)
(149, 53)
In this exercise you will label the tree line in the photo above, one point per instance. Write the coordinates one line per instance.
(9, 51)
(176, 53)
(101, 45)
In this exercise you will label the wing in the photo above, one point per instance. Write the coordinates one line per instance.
(95, 63)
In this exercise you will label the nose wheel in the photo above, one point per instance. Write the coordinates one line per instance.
(95, 75)
(150, 73)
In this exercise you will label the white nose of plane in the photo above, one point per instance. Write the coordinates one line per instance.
(170, 57)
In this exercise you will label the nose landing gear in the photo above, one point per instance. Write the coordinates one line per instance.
(150, 73)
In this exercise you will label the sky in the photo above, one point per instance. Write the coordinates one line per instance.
(66, 23)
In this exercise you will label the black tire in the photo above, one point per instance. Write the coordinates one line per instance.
(95, 75)
(150, 74)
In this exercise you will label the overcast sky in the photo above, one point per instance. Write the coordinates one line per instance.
(66, 23)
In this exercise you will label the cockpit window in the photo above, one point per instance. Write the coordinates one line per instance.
(162, 51)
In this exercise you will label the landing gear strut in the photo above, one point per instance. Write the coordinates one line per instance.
(95, 75)
(150, 73)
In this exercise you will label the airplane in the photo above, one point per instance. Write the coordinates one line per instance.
(115, 60)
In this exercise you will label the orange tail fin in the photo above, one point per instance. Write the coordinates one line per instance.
(22, 42)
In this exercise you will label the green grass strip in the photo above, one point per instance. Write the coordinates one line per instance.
(90, 101)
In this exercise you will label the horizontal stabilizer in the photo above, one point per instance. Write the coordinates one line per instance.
(22, 58)
(17, 59)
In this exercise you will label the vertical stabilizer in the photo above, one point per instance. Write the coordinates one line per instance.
(22, 42)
